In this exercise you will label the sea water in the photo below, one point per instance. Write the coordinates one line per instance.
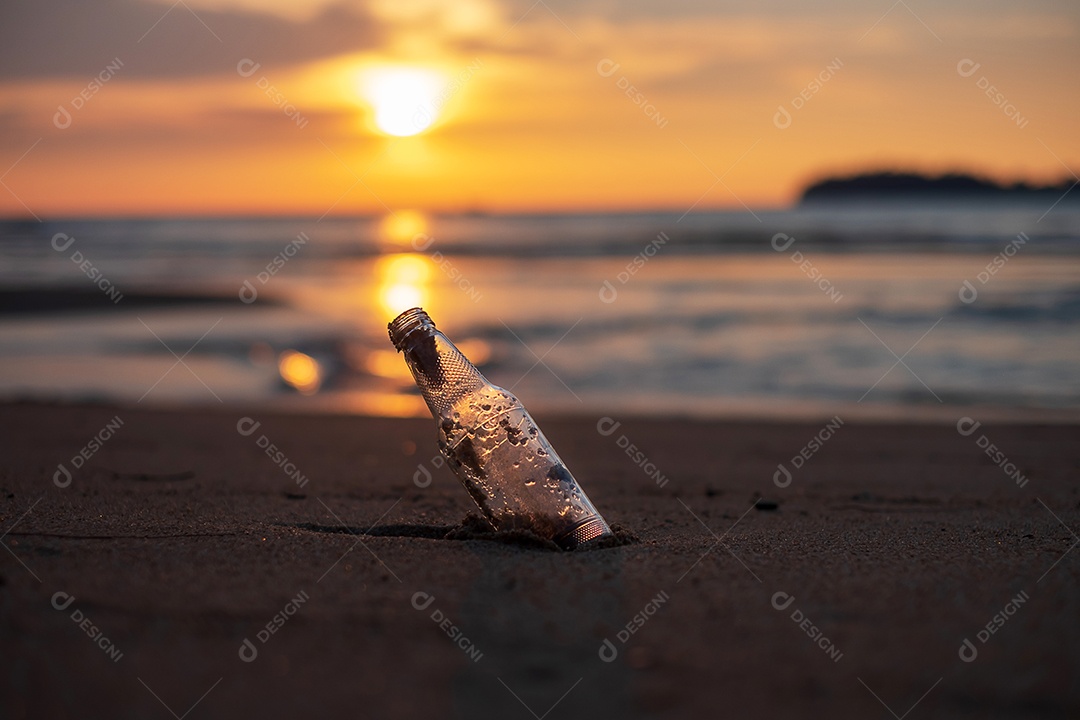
(889, 310)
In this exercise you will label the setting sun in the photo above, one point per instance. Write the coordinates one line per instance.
(406, 100)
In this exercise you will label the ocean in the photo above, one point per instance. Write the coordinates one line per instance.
(884, 311)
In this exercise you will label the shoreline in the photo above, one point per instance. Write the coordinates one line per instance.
(373, 406)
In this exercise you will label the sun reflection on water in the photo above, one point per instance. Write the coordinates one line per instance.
(400, 230)
(403, 283)
(300, 371)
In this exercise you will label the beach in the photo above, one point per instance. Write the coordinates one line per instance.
(796, 310)
(231, 561)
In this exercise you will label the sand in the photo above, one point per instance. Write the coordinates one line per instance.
(848, 593)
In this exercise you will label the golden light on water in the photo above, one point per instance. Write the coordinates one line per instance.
(477, 350)
(387, 404)
(406, 100)
(300, 371)
(389, 363)
(400, 229)
(402, 282)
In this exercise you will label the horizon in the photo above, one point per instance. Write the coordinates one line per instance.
(219, 108)
(899, 199)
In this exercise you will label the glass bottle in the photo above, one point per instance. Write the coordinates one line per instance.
(492, 443)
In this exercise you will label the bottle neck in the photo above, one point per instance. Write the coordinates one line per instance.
(441, 371)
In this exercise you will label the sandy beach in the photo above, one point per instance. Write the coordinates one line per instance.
(792, 289)
(163, 563)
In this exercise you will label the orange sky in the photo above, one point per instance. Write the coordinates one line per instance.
(530, 108)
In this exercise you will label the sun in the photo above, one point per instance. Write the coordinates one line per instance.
(406, 100)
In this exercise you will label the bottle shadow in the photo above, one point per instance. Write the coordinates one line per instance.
(472, 527)
(431, 532)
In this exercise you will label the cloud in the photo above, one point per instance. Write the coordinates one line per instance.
(42, 39)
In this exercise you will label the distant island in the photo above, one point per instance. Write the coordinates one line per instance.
(914, 186)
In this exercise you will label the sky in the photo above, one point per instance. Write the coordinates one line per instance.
(287, 107)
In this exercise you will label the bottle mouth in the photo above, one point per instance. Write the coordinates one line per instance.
(406, 323)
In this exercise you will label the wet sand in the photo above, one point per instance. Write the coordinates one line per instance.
(200, 577)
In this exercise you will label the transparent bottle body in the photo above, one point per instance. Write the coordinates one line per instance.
(496, 449)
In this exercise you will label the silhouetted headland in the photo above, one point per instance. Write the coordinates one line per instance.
(914, 186)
